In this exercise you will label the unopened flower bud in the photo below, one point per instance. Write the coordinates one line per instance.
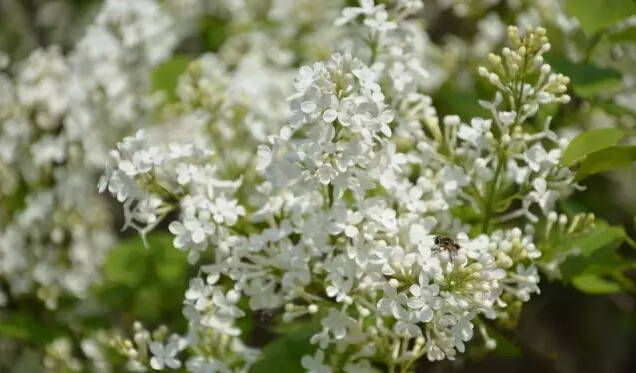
(493, 78)
(565, 99)
(491, 344)
(452, 120)
(522, 51)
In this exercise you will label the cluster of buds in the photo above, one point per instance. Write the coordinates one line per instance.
(513, 70)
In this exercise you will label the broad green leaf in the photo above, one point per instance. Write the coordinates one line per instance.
(598, 246)
(590, 142)
(593, 284)
(608, 265)
(606, 159)
(601, 235)
(586, 79)
(625, 35)
(166, 75)
(578, 265)
(595, 15)
(285, 353)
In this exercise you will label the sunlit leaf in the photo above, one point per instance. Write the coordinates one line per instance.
(599, 245)
(595, 15)
(606, 159)
(593, 284)
(166, 75)
(624, 35)
(590, 142)
(586, 79)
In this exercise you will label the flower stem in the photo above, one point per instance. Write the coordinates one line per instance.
(490, 199)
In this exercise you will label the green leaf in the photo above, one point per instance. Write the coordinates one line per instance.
(625, 35)
(595, 15)
(30, 328)
(166, 75)
(586, 79)
(593, 284)
(590, 142)
(616, 110)
(284, 354)
(245, 323)
(606, 159)
(213, 32)
(608, 265)
(505, 348)
(627, 284)
(600, 236)
(140, 282)
(148, 302)
(465, 103)
(126, 263)
(598, 246)
(170, 264)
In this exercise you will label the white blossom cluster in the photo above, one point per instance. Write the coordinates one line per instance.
(59, 115)
(240, 107)
(452, 59)
(497, 152)
(354, 191)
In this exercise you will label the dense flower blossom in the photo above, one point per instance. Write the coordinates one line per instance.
(59, 116)
(343, 222)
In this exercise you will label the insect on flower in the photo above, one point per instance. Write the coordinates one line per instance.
(447, 243)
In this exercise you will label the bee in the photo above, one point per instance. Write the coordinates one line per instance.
(447, 243)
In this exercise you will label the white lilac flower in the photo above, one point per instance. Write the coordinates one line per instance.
(315, 364)
(341, 216)
(164, 356)
(66, 112)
